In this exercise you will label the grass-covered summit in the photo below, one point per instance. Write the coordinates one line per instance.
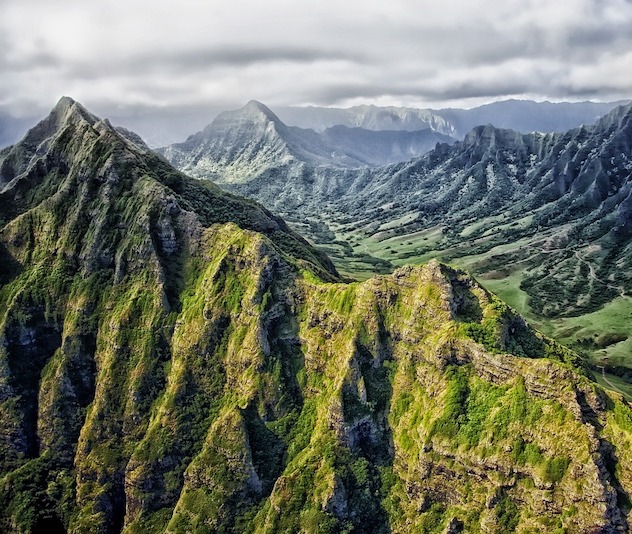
(174, 359)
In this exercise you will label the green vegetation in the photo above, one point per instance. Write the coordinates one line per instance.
(175, 359)
(455, 402)
(602, 337)
(508, 515)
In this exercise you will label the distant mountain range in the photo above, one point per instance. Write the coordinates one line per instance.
(368, 117)
(572, 188)
(171, 125)
(240, 144)
(521, 115)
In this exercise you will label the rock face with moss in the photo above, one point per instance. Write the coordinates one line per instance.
(174, 359)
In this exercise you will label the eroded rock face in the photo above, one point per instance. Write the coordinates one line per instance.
(215, 375)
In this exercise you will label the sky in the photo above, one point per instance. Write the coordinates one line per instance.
(135, 56)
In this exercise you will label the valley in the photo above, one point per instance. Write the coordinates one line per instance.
(501, 269)
(541, 219)
(603, 336)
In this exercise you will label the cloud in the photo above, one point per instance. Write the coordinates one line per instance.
(194, 53)
(183, 62)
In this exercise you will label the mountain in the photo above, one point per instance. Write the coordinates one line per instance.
(104, 146)
(575, 188)
(175, 359)
(527, 116)
(239, 145)
(543, 217)
(368, 117)
(521, 115)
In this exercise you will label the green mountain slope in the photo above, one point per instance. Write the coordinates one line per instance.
(542, 218)
(174, 359)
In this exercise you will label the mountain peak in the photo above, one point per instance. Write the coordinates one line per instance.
(617, 116)
(64, 103)
(256, 111)
(488, 135)
(256, 105)
(252, 113)
(476, 135)
(65, 111)
(68, 108)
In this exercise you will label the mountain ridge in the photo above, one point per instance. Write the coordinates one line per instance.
(243, 143)
(174, 359)
(563, 198)
(522, 115)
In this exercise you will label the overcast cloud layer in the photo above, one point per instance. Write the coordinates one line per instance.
(142, 54)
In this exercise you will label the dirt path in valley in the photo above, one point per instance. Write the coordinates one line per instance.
(612, 386)
(591, 269)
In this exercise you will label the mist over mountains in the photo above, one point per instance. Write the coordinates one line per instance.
(521, 115)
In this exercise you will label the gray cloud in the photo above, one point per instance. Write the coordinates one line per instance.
(178, 62)
(158, 55)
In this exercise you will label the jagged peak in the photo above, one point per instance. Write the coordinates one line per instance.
(64, 104)
(68, 116)
(65, 111)
(69, 109)
(255, 105)
(489, 134)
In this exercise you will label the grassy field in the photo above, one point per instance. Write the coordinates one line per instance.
(614, 383)
(470, 229)
(404, 219)
(601, 328)
(508, 288)
(414, 248)
(601, 334)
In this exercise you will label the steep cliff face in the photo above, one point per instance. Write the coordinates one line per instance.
(173, 359)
